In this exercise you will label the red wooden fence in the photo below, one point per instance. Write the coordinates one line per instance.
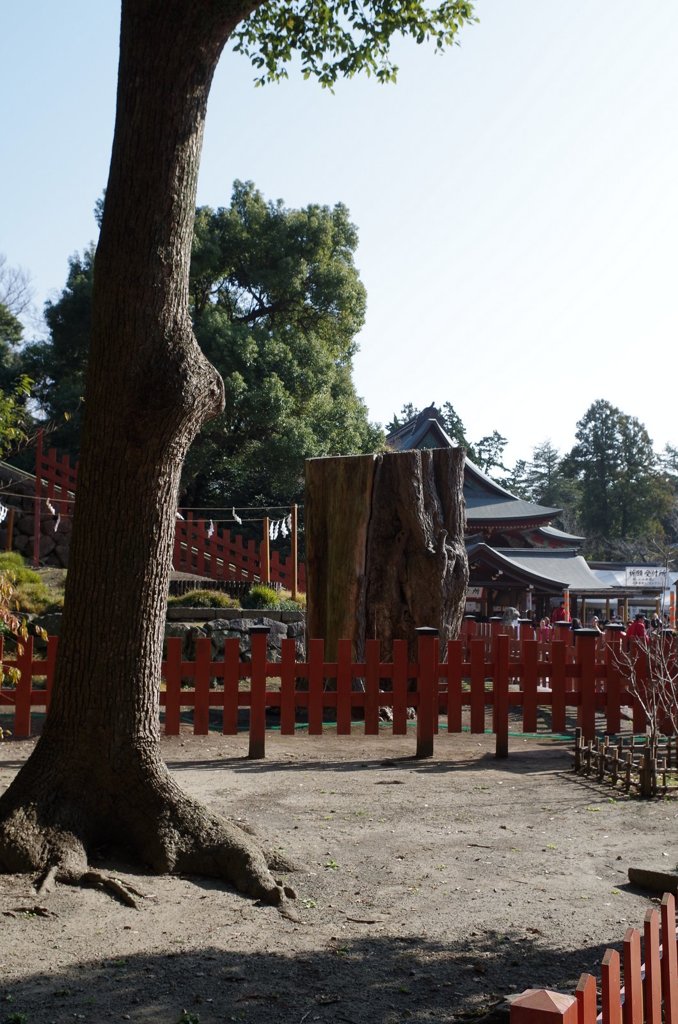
(499, 692)
(225, 556)
(650, 992)
(220, 556)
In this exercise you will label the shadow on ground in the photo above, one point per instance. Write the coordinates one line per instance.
(547, 758)
(369, 981)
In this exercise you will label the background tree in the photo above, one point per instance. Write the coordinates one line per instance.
(15, 301)
(148, 391)
(623, 496)
(57, 364)
(276, 303)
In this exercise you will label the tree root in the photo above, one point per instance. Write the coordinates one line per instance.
(162, 829)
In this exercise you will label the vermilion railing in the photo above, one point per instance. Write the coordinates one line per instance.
(521, 684)
(650, 992)
(199, 547)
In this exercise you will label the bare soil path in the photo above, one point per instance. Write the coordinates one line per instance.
(433, 890)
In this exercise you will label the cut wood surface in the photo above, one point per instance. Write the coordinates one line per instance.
(385, 547)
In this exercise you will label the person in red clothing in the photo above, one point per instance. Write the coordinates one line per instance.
(637, 627)
(558, 613)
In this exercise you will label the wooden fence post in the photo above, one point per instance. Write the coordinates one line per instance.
(669, 966)
(294, 555)
(540, 1006)
(257, 747)
(585, 640)
(500, 711)
(265, 556)
(586, 996)
(22, 706)
(427, 656)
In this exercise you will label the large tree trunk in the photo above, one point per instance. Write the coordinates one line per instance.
(96, 774)
(385, 547)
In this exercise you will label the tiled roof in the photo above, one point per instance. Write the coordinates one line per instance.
(483, 510)
(554, 569)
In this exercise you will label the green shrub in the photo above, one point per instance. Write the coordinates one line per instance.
(203, 599)
(31, 595)
(261, 596)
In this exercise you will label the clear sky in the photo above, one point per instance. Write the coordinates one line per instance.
(516, 198)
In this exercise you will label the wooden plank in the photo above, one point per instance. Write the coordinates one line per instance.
(558, 686)
(652, 987)
(633, 981)
(344, 687)
(478, 685)
(172, 674)
(201, 710)
(400, 696)
(610, 983)
(530, 652)
(613, 685)
(372, 662)
(427, 656)
(22, 700)
(257, 744)
(316, 681)
(585, 995)
(455, 655)
(500, 710)
(586, 659)
(288, 711)
(231, 685)
(669, 968)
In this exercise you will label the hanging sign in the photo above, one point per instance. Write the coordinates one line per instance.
(645, 576)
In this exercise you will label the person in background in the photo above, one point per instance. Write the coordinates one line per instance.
(558, 614)
(637, 627)
(595, 623)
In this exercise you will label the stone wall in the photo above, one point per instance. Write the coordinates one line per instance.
(219, 624)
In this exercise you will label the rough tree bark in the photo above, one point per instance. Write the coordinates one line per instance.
(385, 547)
(96, 775)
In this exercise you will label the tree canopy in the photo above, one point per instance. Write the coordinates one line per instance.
(622, 492)
(276, 303)
(333, 40)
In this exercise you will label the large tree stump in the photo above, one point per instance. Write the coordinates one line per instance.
(385, 547)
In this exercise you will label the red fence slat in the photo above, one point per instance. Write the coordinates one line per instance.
(316, 653)
(231, 685)
(669, 966)
(478, 671)
(611, 988)
(344, 687)
(652, 987)
(400, 663)
(372, 685)
(632, 1010)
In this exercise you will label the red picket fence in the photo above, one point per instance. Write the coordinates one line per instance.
(55, 478)
(522, 685)
(225, 556)
(220, 556)
(650, 992)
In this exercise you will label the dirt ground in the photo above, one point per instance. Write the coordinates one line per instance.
(432, 890)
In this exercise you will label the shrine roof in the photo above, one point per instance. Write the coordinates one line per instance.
(487, 502)
(485, 509)
(552, 533)
(554, 569)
